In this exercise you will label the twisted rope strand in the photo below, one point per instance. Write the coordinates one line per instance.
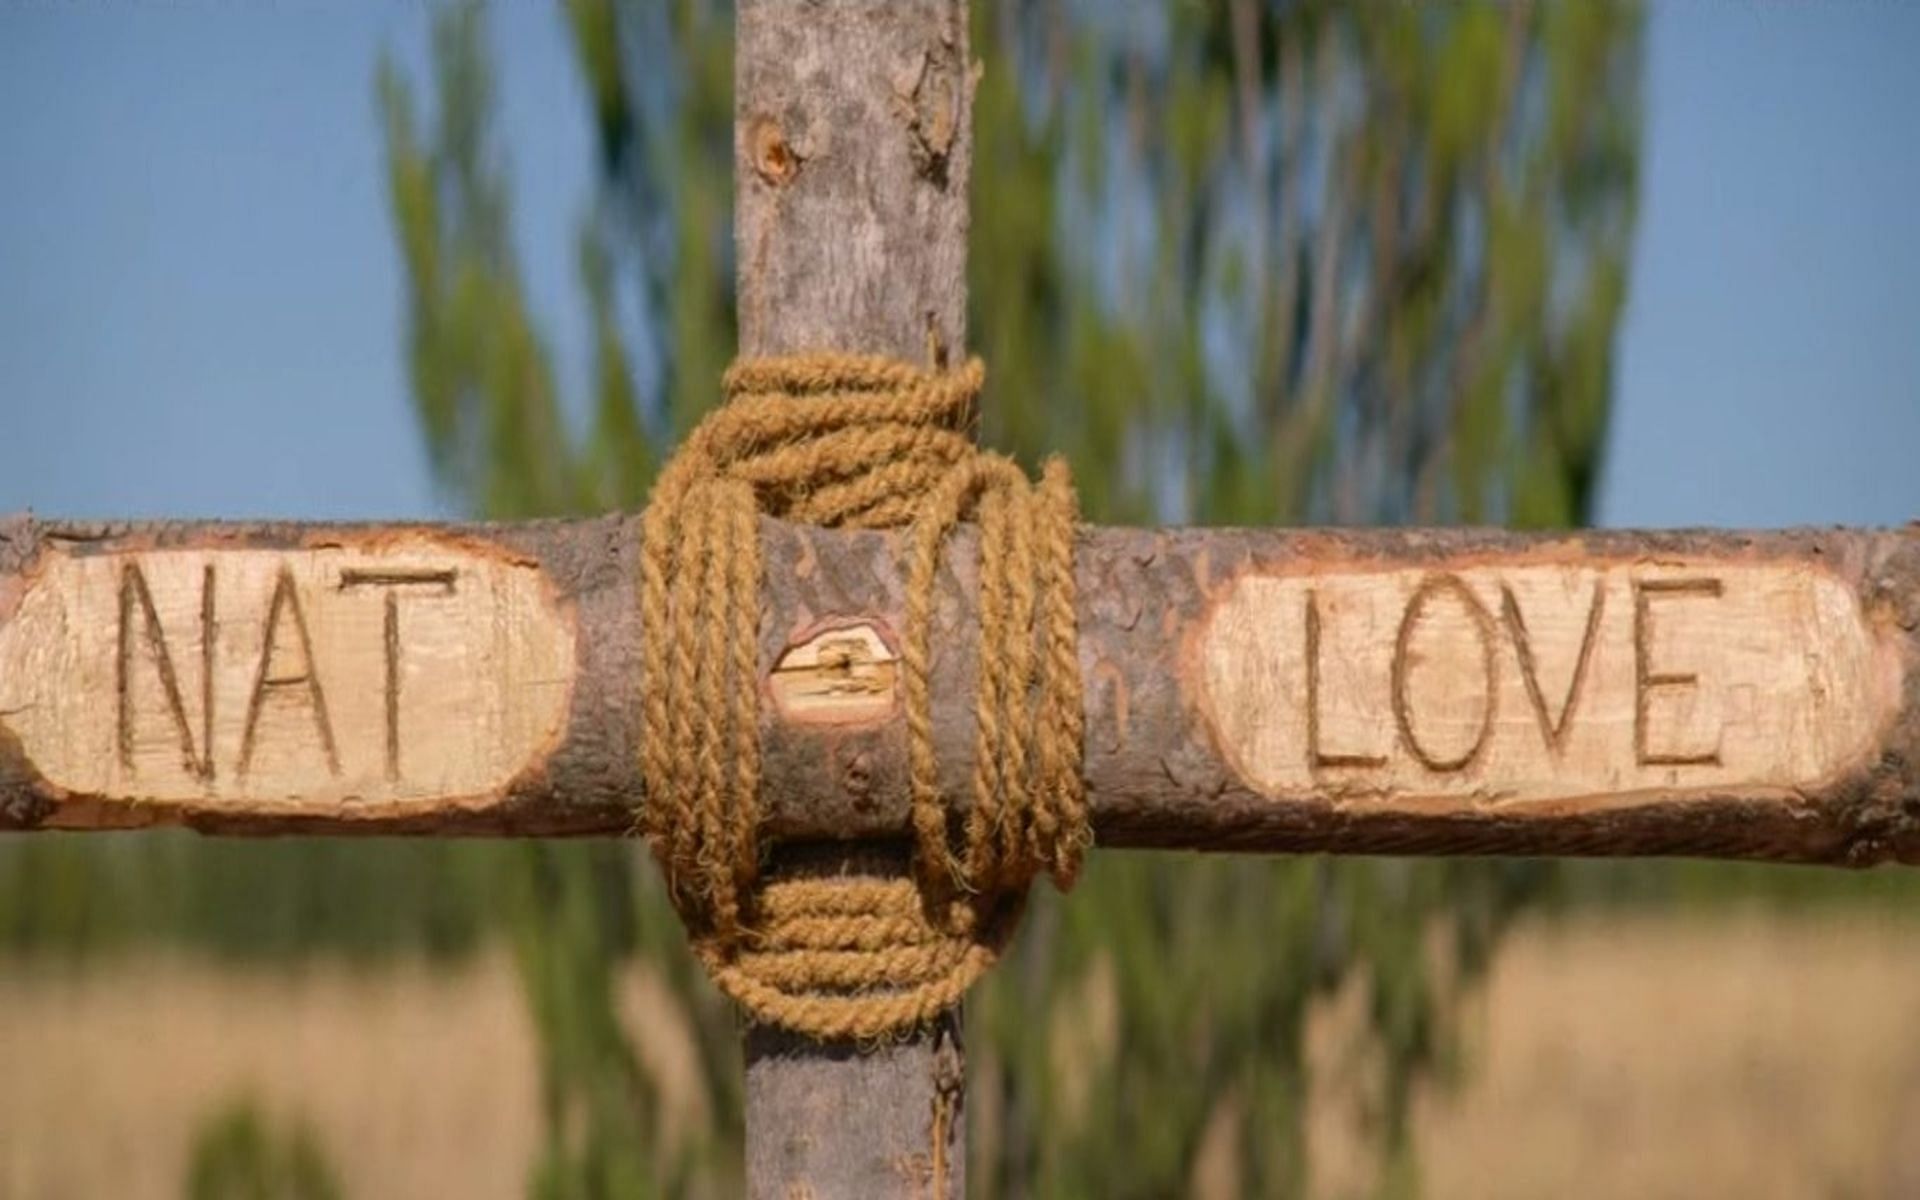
(861, 443)
(1061, 831)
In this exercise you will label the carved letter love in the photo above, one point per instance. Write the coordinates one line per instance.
(1531, 682)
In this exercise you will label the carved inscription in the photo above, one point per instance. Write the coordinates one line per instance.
(304, 679)
(404, 670)
(1536, 682)
(140, 631)
(392, 580)
(1646, 678)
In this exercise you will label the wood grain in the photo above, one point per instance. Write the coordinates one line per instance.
(378, 676)
(1515, 686)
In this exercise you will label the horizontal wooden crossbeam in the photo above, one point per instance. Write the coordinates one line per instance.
(1748, 695)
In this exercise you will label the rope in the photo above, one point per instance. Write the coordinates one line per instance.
(866, 443)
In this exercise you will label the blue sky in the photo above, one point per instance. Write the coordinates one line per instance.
(1769, 368)
(200, 301)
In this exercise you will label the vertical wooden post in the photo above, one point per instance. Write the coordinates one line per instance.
(853, 142)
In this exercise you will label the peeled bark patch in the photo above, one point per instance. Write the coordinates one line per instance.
(349, 679)
(846, 674)
(1532, 683)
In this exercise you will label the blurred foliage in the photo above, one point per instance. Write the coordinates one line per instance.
(1273, 264)
(500, 442)
(75, 895)
(1305, 261)
(238, 1155)
(1265, 263)
(1697, 883)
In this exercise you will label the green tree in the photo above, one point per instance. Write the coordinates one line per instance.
(1264, 262)
(238, 1155)
(1270, 264)
(498, 440)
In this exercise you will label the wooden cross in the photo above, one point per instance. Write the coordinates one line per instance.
(1737, 695)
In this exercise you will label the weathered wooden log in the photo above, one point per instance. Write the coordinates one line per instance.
(853, 147)
(1741, 695)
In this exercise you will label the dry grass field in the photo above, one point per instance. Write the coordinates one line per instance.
(417, 1084)
(1735, 1055)
(1727, 1056)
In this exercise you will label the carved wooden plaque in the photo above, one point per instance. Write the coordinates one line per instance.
(345, 676)
(1531, 683)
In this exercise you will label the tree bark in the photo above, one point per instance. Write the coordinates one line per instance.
(853, 136)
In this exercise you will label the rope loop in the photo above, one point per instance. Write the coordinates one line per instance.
(865, 443)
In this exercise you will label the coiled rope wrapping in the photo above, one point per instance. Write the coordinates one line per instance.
(867, 443)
